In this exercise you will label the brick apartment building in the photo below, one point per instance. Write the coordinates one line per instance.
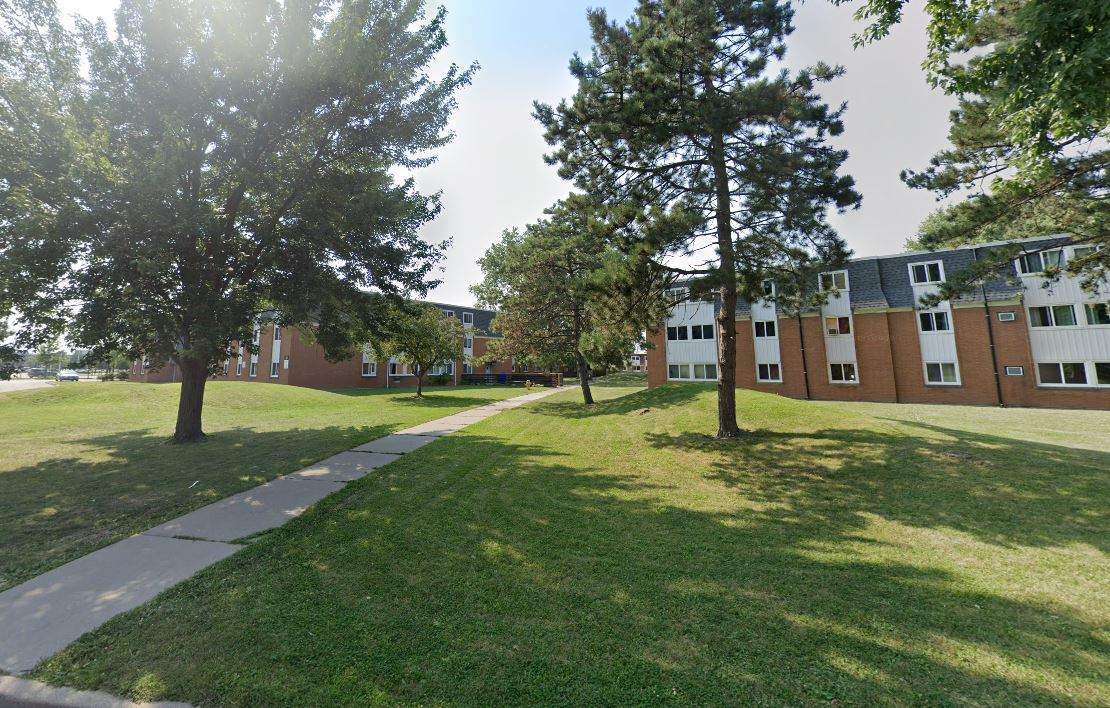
(282, 355)
(1014, 342)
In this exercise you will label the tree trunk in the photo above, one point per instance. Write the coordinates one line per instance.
(584, 378)
(194, 376)
(420, 382)
(726, 319)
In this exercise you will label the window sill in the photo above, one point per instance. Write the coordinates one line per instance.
(934, 384)
(1074, 387)
(844, 383)
(761, 381)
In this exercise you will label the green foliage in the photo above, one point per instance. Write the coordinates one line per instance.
(715, 167)
(563, 294)
(421, 336)
(219, 159)
(1029, 136)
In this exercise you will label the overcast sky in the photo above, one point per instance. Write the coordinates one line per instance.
(493, 176)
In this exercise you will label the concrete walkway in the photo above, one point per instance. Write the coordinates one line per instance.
(44, 615)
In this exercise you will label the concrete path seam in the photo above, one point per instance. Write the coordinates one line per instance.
(42, 616)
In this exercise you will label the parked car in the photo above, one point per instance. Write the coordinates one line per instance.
(67, 375)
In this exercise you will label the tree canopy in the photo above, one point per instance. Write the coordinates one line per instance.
(219, 159)
(421, 336)
(561, 291)
(720, 167)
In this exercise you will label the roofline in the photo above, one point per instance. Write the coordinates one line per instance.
(965, 247)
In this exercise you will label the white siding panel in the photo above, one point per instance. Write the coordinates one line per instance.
(841, 348)
(938, 346)
(1070, 343)
(767, 351)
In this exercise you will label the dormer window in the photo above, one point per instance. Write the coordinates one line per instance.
(768, 287)
(468, 318)
(927, 273)
(835, 280)
(449, 313)
(277, 333)
(1036, 263)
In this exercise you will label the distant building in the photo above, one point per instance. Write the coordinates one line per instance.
(1014, 342)
(282, 355)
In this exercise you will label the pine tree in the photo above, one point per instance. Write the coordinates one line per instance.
(679, 115)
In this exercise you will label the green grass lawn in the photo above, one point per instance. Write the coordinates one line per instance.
(846, 554)
(84, 465)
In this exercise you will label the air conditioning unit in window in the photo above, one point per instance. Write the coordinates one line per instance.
(1006, 316)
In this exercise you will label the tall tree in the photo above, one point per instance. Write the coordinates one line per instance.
(220, 159)
(1029, 137)
(422, 337)
(678, 114)
(556, 286)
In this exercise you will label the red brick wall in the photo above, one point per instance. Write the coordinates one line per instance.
(657, 358)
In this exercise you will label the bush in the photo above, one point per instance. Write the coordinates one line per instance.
(122, 375)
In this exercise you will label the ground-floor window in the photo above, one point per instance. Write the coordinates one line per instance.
(468, 369)
(369, 368)
(254, 368)
(942, 372)
(692, 372)
(1074, 373)
(843, 373)
(273, 370)
(768, 372)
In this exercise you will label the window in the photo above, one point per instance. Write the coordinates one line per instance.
(836, 280)
(701, 331)
(1052, 316)
(257, 336)
(705, 372)
(934, 322)
(765, 328)
(227, 366)
(1063, 374)
(449, 313)
(392, 368)
(677, 295)
(941, 373)
(842, 373)
(285, 362)
(1102, 373)
(277, 333)
(468, 369)
(254, 369)
(678, 334)
(768, 287)
(239, 367)
(838, 325)
(926, 273)
(369, 368)
(273, 369)
(1098, 313)
(768, 372)
(1006, 317)
(468, 342)
(1035, 263)
(1015, 371)
(1082, 252)
(468, 318)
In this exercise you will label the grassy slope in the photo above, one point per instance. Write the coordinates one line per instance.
(867, 554)
(85, 465)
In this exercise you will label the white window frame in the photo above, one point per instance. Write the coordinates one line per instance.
(764, 288)
(275, 369)
(1052, 316)
(1060, 367)
(256, 336)
(1094, 370)
(700, 329)
(468, 368)
(277, 333)
(468, 342)
(831, 275)
(1042, 260)
(855, 370)
(774, 328)
(449, 313)
(468, 318)
(1015, 371)
(678, 329)
(932, 314)
(1087, 306)
(692, 371)
(942, 382)
(253, 372)
(369, 368)
(761, 379)
(838, 333)
(925, 265)
(227, 366)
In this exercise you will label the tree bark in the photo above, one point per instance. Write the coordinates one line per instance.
(194, 376)
(420, 382)
(584, 378)
(726, 326)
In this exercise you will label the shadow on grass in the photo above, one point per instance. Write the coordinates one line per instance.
(62, 508)
(639, 402)
(434, 396)
(516, 573)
